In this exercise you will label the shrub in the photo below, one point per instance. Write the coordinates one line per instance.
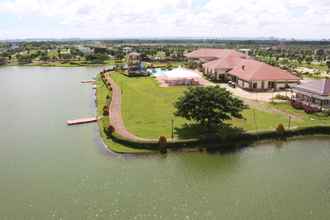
(105, 111)
(110, 130)
(281, 97)
(162, 144)
(162, 141)
(280, 129)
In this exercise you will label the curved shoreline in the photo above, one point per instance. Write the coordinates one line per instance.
(125, 138)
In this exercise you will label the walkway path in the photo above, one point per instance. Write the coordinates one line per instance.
(116, 119)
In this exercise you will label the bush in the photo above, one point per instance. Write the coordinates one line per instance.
(162, 144)
(280, 129)
(281, 97)
(162, 141)
(105, 111)
(110, 130)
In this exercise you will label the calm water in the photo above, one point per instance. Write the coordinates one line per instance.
(51, 171)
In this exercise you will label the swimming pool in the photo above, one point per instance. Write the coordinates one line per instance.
(157, 71)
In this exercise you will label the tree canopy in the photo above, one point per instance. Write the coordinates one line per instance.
(209, 106)
(3, 60)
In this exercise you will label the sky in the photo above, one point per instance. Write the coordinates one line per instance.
(299, 19)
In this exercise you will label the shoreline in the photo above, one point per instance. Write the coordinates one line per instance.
(56, 65)
(247, 139)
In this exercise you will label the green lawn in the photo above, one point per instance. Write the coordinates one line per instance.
(300, 118)
(256, 120)
(148, 110)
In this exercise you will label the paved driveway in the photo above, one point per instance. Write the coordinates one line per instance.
(256, 96)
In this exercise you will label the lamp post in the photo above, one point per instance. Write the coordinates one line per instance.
(255, 120)
(289, 121)
(172, 130)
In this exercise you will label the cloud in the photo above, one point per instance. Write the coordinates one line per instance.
(151, 18)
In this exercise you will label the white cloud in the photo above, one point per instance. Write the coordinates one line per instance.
(152, 18)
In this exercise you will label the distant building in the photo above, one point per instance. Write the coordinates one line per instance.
(313, 93)
(135, 65)
(85, 50)
(127, 50)
(14, 46)
(319, 52)
(246, 51)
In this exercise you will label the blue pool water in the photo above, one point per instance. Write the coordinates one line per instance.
(157, 72)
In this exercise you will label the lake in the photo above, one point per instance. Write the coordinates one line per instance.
(51, 171)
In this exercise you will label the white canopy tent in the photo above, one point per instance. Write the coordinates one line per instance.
(181, 73)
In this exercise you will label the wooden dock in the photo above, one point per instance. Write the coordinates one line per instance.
(82, 121)
(89, 81)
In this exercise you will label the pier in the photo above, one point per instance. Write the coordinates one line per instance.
(82, 121)
(88, 81)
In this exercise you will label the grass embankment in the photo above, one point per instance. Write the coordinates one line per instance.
(148, 110)
(101, 93)
(300, 118)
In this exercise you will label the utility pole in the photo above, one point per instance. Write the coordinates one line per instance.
(255, 119)
(289, 121)
(172, 129)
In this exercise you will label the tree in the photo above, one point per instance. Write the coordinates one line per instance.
(328, 65)
(44, 56)
(24, 59)
(3, 61)
(97, 58)
(309, 59)
(209, 106)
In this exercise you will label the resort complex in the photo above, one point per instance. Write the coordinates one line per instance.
(229, 65)
(165, 110)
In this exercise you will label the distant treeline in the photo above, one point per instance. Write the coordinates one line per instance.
(176, 41)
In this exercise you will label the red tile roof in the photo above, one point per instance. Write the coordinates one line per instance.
(254, 70)
(226, 63)
(319, 87)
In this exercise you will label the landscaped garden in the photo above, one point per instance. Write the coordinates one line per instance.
(148, 110)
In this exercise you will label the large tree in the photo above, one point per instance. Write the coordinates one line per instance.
(209, 106)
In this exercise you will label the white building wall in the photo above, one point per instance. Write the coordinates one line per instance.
(246, 85)
(266, 84)
(240, 83)
(280, 85)
(259, 84)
